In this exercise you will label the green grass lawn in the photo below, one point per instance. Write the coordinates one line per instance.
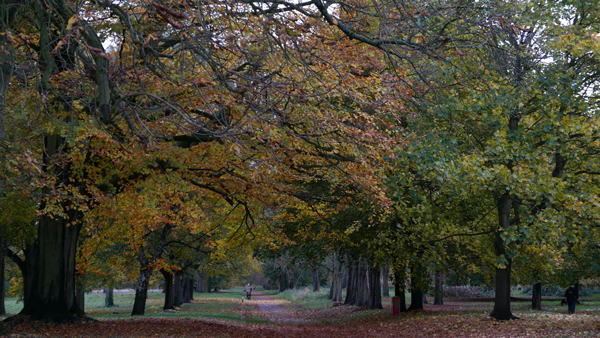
(225, 304)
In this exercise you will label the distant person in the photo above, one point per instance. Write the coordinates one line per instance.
(572, 296)
(248, 291)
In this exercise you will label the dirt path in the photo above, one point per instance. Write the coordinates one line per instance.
(270, 309)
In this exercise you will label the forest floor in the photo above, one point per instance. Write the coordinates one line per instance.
(306, 314)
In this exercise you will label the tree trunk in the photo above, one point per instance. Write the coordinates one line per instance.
(416, 299)
(109, 300)
(52, 293)
(293, 280)
(191, 287)
(199, 286)
(337, 297)
(439, 289)
(399, 292)
(385, 276)
(186, 289)
(2, 256)
(207, 284)
(536, 297)
(80, 294)
(315, 279)
(345, 273)
(417, 282)
(334, 270)
(363, 284)
(501, 309)
(358, 290)
(352, 282)
(374, 300)
(177, 290)
(141, 291)
(283, 281)
(335, 294)
(169, 299)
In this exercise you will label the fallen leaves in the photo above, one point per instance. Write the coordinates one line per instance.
(287, 320)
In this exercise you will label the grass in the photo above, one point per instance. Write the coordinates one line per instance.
(235, 318)
(224, 304)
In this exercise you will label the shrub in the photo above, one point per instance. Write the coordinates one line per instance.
(467, 291)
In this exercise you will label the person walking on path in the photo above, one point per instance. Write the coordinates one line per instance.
(571, 295)
(248, 291)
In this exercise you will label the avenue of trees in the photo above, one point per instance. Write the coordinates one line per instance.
(195, 141)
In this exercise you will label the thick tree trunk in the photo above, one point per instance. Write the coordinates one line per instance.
(416, 293)
(374, 300)
(357, 292)
(168, 276)
(80, 295)
(207, 284)
(536, 297)
(315, 279)
(109, 300)
(335, 294)
(416, 299)
(177, 290)
(417, 281)
(385, 276)
(352, 282)
(141, 291)
(439, 289)
(345, 273)
(283, 281)
(501, 309)
(363, 285)
(186, 289)
(399, 291)
(2, 256)
(52, 293)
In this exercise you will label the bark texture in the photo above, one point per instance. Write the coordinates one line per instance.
(177, 290)
(109, 300)
(141, 292)
(52, 267)
(439, 289)
(186, 289)
(374, 300)
(357, 291)
(536, 296)
(2, 256)
(315, 279)
(168, 276)
(502, 309)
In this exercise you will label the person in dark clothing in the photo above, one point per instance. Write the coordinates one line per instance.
(249, 291)
(571, 295)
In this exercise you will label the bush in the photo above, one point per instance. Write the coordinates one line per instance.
(467, 291)
(550, 290)
(305, 294)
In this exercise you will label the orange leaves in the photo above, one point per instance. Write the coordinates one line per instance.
(166, 14)
(98, 51)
